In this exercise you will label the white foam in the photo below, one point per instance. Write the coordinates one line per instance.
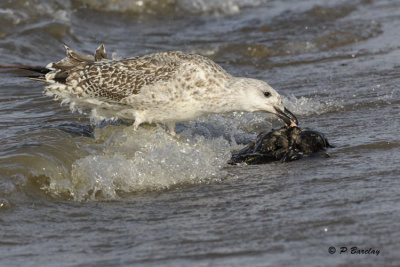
(121, 160)
(207, 6)
(310, 106)
(228, 7)
(146, 159)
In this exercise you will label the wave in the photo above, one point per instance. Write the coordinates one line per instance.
(219, 7)
(305, 106)
(112, 160)
(117, 161)
(17, 12)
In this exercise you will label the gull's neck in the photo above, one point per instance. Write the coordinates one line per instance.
(239, 89)
(234, 97)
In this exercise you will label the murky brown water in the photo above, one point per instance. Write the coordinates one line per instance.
(76, 194)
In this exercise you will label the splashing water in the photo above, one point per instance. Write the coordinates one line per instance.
(120, 160)
(310, 106)
(147, 159)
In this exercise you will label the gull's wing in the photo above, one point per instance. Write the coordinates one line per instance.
(98, 77)
(116, 80)
(84, 76)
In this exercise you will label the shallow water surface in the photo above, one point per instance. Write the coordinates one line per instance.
(75, 193)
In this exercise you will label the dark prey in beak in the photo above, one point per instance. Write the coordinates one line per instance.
(286, 116)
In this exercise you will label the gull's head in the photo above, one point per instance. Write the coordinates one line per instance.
(259, 96)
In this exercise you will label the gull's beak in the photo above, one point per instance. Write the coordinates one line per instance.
(286, 116)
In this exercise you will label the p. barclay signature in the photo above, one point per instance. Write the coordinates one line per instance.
(355, 250)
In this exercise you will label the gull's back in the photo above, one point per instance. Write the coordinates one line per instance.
(82, 76)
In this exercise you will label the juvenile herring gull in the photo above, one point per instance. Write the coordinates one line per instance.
(166, 87)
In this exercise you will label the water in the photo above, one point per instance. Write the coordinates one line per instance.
(75, 194)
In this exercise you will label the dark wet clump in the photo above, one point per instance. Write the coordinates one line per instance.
(285, 144)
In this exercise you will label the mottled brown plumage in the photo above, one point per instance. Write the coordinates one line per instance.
(163, 87)
(100, 77)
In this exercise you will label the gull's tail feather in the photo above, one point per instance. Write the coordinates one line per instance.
(59, 71)
(100, 53)
(39, 71)
(77, 60)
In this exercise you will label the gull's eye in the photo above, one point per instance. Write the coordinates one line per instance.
(267, 94)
